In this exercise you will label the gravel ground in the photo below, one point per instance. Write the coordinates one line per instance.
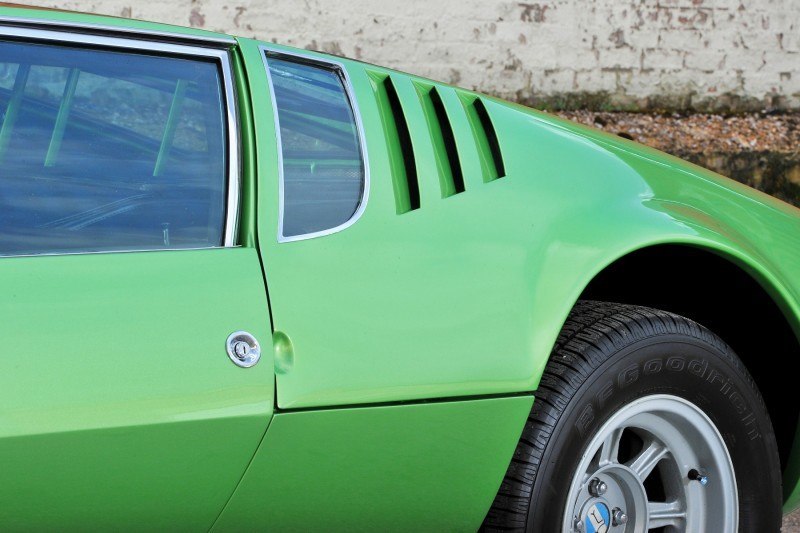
(760, 150)
(791, 523)
(700, 132)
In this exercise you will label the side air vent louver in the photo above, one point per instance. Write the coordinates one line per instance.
(444, 141)
(451, 117)
(491, 137)
(401, 152)
(492, 165)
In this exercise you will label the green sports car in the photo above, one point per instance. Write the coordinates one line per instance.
(246, 287)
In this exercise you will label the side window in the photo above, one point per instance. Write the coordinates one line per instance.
(105, 150)
(323, 167)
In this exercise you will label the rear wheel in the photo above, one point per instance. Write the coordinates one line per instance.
(643, 421)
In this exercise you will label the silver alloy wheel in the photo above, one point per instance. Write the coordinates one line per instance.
(659, 461)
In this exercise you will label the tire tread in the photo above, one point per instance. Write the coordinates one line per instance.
(592, 333)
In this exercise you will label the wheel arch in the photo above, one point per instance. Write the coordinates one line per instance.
(737, 296)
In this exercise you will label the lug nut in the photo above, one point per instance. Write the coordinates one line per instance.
(597, 487)
(618, 517)
(695, 475)
(577, 525)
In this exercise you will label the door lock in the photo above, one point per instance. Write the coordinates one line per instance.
(243, 349)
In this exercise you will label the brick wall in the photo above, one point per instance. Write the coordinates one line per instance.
(670, 54)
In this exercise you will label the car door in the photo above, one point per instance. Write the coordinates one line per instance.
(122, 276)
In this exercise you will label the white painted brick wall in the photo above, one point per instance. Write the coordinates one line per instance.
(630, 53)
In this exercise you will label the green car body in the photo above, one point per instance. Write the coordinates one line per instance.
(400, 354)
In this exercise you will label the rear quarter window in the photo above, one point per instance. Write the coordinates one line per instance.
(109, 150)
(323, 169)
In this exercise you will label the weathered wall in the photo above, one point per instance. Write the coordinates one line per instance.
(672, 54)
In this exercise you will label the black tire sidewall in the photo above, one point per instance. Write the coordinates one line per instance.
(681, 366)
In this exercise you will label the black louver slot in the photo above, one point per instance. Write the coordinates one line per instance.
(405, 177)
(455, 176)
(490, 138)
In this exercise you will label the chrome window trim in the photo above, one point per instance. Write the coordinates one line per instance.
(92, 28)
(107, 252)
(312, 60)
(222, 56)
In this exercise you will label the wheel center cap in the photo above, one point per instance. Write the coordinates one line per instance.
(597, 518)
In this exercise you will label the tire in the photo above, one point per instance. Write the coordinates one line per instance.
(611, 361)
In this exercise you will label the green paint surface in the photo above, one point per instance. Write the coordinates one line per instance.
(423, 467)
(467, 294)
(120, 406)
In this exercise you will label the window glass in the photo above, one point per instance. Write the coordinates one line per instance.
(7, 74)
(109, 150)
(323, 169)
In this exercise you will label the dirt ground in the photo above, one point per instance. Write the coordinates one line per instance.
(671, 133)
(759, 149)
(791, 523)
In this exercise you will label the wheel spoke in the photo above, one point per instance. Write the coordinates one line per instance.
(662, 514)
(648, 458)
(609, 450)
